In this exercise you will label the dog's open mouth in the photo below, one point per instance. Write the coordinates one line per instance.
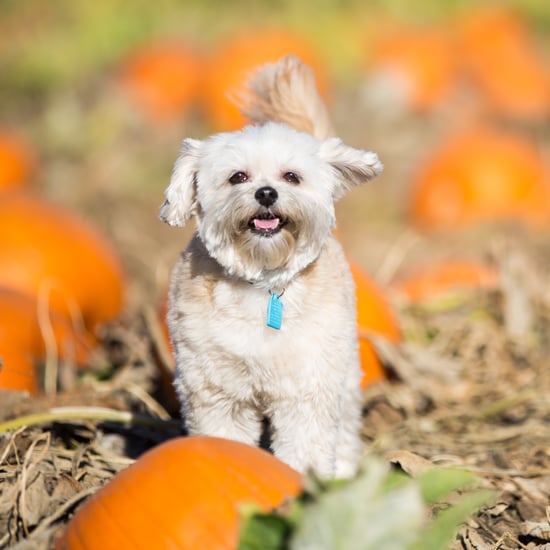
(266, 224)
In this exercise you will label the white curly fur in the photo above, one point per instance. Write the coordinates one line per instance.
(232, 370)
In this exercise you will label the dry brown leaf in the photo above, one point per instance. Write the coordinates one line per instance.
(472, 540)
(538, 488)
(411, 463)
(536, 529)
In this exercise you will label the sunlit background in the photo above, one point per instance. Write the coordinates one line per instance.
(95, 98)
(449, 249)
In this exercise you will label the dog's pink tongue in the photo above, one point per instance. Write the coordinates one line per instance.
(266, 225)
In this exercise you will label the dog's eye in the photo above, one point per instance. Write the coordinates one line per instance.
(291, 177)
(238, 177)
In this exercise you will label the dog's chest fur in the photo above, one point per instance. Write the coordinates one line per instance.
(218, 325)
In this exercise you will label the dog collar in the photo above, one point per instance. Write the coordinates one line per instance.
(275, 310)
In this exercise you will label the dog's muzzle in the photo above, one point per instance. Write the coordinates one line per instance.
(266, 222)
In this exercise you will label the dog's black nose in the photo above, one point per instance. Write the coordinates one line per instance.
(266, 196)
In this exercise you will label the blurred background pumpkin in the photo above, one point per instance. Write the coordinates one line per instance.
(234, 59)
(482, 175)
(163, 78)
(17, 161)
(432, 281)
(374, 315)
(413, 69)
(29, 330)
(503, 63)
(47, 250)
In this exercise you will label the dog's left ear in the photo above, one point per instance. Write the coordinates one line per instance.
(181, 202)
(352, 166)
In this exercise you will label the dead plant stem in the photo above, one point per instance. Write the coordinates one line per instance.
(99, 414)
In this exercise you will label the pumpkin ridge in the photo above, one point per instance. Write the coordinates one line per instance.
(238, 475)
(101, 509)
(158, 520)
(227, 506)
(246, 466)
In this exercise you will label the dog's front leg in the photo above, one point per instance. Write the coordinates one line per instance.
(319, 432)
(215, 414)
(348, 442)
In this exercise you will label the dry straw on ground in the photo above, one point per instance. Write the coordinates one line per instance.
(469, 388)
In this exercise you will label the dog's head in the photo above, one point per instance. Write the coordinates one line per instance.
(263, 197)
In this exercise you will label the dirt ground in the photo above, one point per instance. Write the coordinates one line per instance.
(469, 386)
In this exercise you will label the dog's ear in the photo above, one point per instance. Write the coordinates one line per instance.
(180, 204)
(352, 166)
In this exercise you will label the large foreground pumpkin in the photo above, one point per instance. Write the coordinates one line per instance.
(47, 250)
(235, 59)
(374, 314)
(23, 336)
(183, 494)
(482, 175)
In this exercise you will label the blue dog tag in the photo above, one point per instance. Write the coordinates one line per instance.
(274, 312)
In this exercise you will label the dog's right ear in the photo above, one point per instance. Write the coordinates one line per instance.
(351, 166)
(181, 202)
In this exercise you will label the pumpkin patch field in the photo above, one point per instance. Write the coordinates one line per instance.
(449, 251)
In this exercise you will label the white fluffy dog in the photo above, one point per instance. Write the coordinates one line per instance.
(262, 302)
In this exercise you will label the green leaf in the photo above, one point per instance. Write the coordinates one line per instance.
(437, 483)
(380, 509)
(263, 531)
(363, 514)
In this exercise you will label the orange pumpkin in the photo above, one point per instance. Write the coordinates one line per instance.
(529, 95)
(163, 78)
(22, 341)
(185, 494)
(165, 358)
(162, 313)
(489, 27)
(16, 161)
(482, 175)
(374, 314)
(233, 62)
(502, 62)
(432, 281)
(45, 248)
(415, 68)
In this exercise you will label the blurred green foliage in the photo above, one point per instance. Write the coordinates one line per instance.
(48, 45)
(380, 509)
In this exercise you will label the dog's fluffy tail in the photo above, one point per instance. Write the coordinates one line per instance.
(286, 92)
